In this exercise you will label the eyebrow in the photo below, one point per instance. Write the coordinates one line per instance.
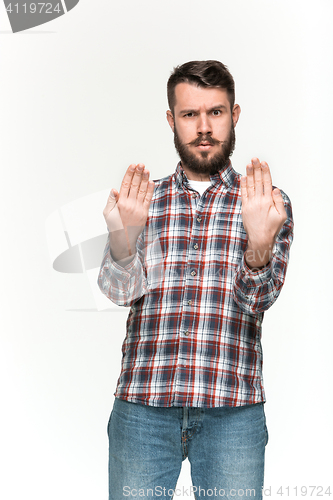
(218, 106)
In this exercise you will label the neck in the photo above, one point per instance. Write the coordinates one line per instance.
(194, 176)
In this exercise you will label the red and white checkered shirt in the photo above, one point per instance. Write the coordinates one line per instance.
(196, 309)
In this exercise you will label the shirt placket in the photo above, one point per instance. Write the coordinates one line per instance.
(184, 375)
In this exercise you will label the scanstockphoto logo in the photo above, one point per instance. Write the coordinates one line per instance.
(23, 14)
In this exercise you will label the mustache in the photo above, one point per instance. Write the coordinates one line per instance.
(205, 138)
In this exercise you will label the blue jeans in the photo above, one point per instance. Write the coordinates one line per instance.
(225, 447)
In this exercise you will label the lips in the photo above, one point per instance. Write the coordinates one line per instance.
(204, 142)
(204, 145)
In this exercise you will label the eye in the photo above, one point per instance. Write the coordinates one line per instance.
(216, 112)
(189, 115)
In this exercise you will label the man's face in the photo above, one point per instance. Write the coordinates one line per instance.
(203, 126)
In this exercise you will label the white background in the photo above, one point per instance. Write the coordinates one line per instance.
(81, 98)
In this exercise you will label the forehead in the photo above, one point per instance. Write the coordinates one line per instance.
(189, 96)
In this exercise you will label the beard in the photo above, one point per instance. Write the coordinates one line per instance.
(203, 164)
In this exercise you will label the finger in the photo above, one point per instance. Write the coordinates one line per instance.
(278, 202)
(267, 179)
(114, 194)
(112, 200)
(149, 193)
(250, 180)
(143, 186)
(126, 183)
(136, 181)
(111, 213)
(243, 185)
(258, 184)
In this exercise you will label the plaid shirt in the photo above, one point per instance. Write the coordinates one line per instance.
(196, 309)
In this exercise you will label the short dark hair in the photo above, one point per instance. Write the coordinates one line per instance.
(203, 74)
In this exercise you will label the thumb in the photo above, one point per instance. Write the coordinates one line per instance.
(112, 200)
(114, 195)
(111, 203)
(111, 212)
(278, 201)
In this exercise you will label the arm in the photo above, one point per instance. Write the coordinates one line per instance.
(121, 276)
(123, 285)
(267, 219)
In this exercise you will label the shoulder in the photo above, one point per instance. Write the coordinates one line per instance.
(162, 185)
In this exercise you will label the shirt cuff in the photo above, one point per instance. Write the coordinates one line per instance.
(255, 278)
(120, 273)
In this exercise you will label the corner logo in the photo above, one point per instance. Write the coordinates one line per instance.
(23, 14)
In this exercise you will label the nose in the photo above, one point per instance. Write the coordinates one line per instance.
(204, 125)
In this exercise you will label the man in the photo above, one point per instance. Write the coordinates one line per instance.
(198, 256)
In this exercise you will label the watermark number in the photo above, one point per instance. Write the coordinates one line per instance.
(32, 8)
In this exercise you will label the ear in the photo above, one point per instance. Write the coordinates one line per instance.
(235, 113)
(170, 119)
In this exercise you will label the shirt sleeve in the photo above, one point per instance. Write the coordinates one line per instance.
(122, 285)
(256, 291)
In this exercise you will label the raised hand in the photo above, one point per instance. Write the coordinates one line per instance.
(263, 213)
(126, 212)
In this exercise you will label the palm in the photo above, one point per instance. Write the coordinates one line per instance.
(126, 212)
(263, 209)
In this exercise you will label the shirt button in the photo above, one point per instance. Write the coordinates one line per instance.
(194, 195)
(189, 302)
(186, 333)
(196, 247)
(199, 219)
(193, 273)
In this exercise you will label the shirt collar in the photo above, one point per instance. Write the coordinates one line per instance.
(225, 176)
